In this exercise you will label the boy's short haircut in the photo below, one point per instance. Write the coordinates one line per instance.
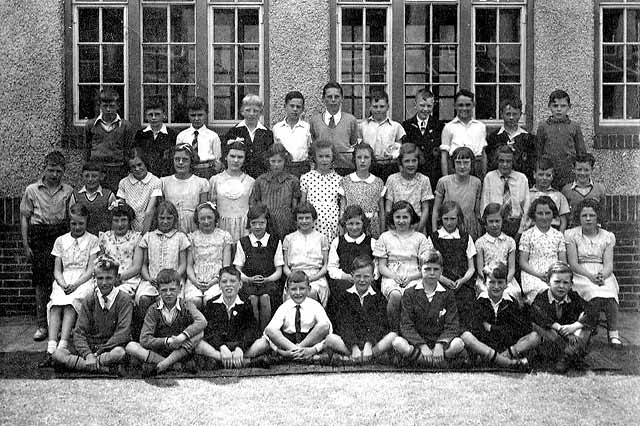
(332, 85)
(559, 268)
(297, 276)
(559, 94)
(431, 256)
(424, 93)
(206, 205)
(410, 148)
(544, 163)
(585, 158)
(107, 263)
(497, 270)
(79, 209)
(137, 152)
(322, 144)
(167, 276)
(362, 261)
(352, 211)
(363, 146)
(278, 149)
(306, 208)
(464, 92)
(463, 153)
(514, 103)
(109, 95)
(588, 203)
(505, 149)
(379, 95)
(154, 102)
(92, 166)
(122, 209)
(231, 270)
(493, 208)
(255, 211)
(252, 99)
(197, 104)
(294, 94)
(55, 158)
(543, 200)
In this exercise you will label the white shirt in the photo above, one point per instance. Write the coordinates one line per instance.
(111, 297)
(163, 129)
(457, 134)
(438, 289)
(296, 139)
(240, 258)
(494, 305)
(336, 117)
(455, 235)
(169, 315)
(354, 290)
(229, 308)
(384, 137)
(311, 313)
(209, 146)
(370, 179)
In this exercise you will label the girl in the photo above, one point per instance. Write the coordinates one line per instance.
(496, 247)
(457, 249)
(140, 190)
(164, 247)
(74, 254)
(410, 185)
(590, 255)
(398, 251)
(463, 188)
(320, 188)
(184, 189)
(259, 259)
(279, 190)
(364, 189)
(540, 247)
(308, 250)
(230, 192)
(210, 250)
(121, 244)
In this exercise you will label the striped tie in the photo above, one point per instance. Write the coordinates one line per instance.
(506, 197)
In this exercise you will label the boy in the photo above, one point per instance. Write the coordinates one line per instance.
(423, 130)
(511, 134)
(94, 197)
(508, 188)
(108, 137)
(204, 141)
(294, 134)
(300, 325)
(103, 327)
(172, 328)
(500, 332)
(383, 135)
(231, 326)
(583, 187)
(337, 126)
(361, 325)
(256, 137)
(464, 130)
(156, 139)
(559, 317)
(429, 320)
(560, 138)
(544, 177)
(43, 218)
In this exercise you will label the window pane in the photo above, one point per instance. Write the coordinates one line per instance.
(248, 26)
(154, 64)
(444, 64)
(510, 63)
(224, 26)
(633, 25)
(633, 102)
(113, 25)
(509, 25)
(88, 26)
(611, 105)
(351, 63)
(376, 25)
(88, 101)
(613, 63)
(223, 64)
(88, 64)
(445, 21)
(224, 101)
(444, 107)
(612, 25)
(352, 101)
(113, 64)
(180, 95)
(154, 25)
(249, 64)
(416, 19)
(486, 25)
(633, 63)
(351, 25)
(182, 24)
(375, 63)
(245, 90)
(416, 64)
(486, 102)
(409, 100)
(486, 63)
(183, 64)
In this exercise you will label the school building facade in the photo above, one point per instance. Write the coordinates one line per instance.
(56, 55)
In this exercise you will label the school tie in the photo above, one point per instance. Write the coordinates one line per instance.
(298, 325)
(258, 244)
(558, 307)
(105, 305)
(506, 197)
(194, 144)
(332, 123)
(423, 126)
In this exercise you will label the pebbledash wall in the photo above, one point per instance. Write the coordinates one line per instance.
(32, 111)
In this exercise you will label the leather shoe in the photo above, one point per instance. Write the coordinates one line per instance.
(40, 334)
(47, 362)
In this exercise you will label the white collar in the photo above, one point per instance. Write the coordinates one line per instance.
(163, 129)
(243, 123)
(354, 178)
(283, 123)
(326, 116)
(491, 239)
(84, 189)
(115, 120)
(134, 181)
(552, 299)
(264, 240)
(358, 240)
(220, 300)
(538, 232)
(574, 185)
(439, 288)
(370, 291)
(386, 120)
(199, 129)
(442, 233)
(457, 120)
(519, 131)
(505, 296)
(111, 297)
(176, 306)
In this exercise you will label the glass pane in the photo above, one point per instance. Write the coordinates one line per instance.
(486, 63)
(113, 63)
(248, 26)
(246, 90)
(633, 102)
(88, 64)
(508, 91)
(223, 103)
(611, 104)
(88, 101)
(486, 102)
(182, 24)
(633, 25)
(633, 63)
(223, 26)
(153, 91)
(444, 105)
(486, 25)
(180, 95)
(416, 66)
(445, 24)
(612, 25)
(376, 25)
(223, 64)
(445, 64)
(416, 23)
(351, 25)
(183, 64)
(409, 101)
(375, 63)
(351, 63)
(154, 25)
(509, 25)
(112, 25)
(510, 63)
(352, 101)
(88, 27)
(154, 64)
(612, 63)
(249, 64)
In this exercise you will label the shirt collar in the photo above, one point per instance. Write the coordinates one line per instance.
(337, 116)
(163, 129)
(442, 233)
(243, 123)
(135, 181)
(176, 306)
(358, 240)
(220, 300)
(553, 120)
(439, 287)
(574, 185)
(283, 123)
(565, 299)
(519, 131)
(84, 189)
(354, 178)
(42, 184)
(457, 120)
(538, 233)
(168, 234)
(370, 291)
(110, 297)
(264, 240)
(534, 189)
(117, 119)
(386, 120)
(491, 239)
(505, 296)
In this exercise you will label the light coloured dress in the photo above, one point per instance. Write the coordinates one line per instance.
(137, 194)
(402, 252)
(415, 191)
(207, 251)
(185, 195)
(590, 252)
(75, 254)
(305, 252)
(467, 195)
(365, 193)
(497, 249)
(543, 249)
(122, 250)
(323, 193)
(231, 196)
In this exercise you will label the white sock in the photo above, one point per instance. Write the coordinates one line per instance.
(614, 333)
(51, 346)
(63, 344)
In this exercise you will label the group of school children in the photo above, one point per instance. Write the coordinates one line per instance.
(327, 225)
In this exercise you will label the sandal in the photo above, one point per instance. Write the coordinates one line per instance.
(615, 342)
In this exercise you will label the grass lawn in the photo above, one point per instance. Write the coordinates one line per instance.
(330, 399)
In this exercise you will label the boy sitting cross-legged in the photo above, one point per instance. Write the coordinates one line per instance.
(171, 330)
